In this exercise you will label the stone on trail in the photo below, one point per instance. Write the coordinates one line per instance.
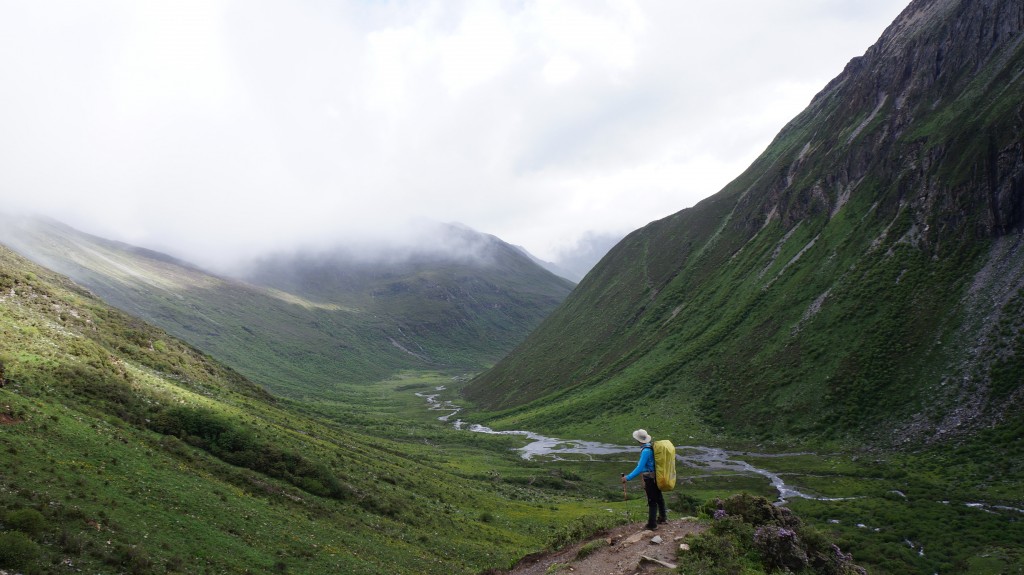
(634, 538)
(644, 558)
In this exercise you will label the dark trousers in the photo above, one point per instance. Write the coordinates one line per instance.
(655, 502)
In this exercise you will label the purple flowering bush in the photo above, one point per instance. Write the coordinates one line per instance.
(780, 548)
(723, 548)
(749, 534)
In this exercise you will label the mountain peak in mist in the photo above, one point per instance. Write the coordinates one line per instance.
(302, 322)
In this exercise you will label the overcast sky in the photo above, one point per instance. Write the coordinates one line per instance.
(213, 130)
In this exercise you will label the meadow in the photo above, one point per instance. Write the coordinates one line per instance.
(946, 509)
(124, 450)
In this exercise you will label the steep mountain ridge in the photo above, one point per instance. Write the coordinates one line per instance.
(314, 327)
(841, 285)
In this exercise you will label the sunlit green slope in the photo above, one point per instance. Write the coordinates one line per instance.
(463, 299)
(124, 450)
(312, 328)
(862, 279)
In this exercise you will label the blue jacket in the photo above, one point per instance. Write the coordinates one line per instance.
(646, 463)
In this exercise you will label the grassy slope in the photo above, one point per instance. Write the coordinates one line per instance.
(90, 398)
(823, 293)
(302, 341)
(115, 494)
(455, 310)
(853, 285)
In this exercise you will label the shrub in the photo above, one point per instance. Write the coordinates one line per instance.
(749, 531)
(69, 542)
(581, 528)
(17, 551)
(132, 557)
(555, 568)
(28, 521)
(759, 511)
(590, 548)
(718, 550)
(685, 503)
(231, 442)
(780, 548)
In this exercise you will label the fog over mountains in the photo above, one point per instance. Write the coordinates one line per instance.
(309, 323)
(834, 341)
(216, 131)
(576, 262)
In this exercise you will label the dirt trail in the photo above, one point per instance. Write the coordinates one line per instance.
(621, 555)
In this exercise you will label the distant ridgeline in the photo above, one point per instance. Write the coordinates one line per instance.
(308, 325)
(861, 279)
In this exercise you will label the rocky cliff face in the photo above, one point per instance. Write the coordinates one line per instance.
(934, 112)
(889, 113)
(864, 273)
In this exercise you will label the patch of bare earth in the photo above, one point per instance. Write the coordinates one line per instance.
(625, 550)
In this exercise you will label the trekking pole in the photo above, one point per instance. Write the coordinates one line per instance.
(624, 497)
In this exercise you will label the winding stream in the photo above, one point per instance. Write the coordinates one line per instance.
(555, 449)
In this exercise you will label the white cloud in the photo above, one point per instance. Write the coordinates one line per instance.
(212, 129)
(480, 49)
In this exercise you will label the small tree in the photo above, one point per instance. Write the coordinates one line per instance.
(17, 551)
(28, 521)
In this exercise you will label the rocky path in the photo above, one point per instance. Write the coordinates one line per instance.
(625, 550)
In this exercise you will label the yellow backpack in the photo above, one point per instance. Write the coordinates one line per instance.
(665, 464)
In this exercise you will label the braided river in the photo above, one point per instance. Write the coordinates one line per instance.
(540, 447)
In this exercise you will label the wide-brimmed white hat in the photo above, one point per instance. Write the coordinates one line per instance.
(641, 436)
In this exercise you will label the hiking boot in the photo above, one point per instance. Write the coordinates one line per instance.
(662, 519)
(651, 527)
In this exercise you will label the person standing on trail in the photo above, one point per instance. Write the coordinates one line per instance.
(645, 468)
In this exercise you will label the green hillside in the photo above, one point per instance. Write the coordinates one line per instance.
(125, 450)
(861, 281)
(858, 290)
(314, 331)
(847, 316)
(465, 299)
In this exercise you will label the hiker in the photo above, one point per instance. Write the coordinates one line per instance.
(645, 468)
